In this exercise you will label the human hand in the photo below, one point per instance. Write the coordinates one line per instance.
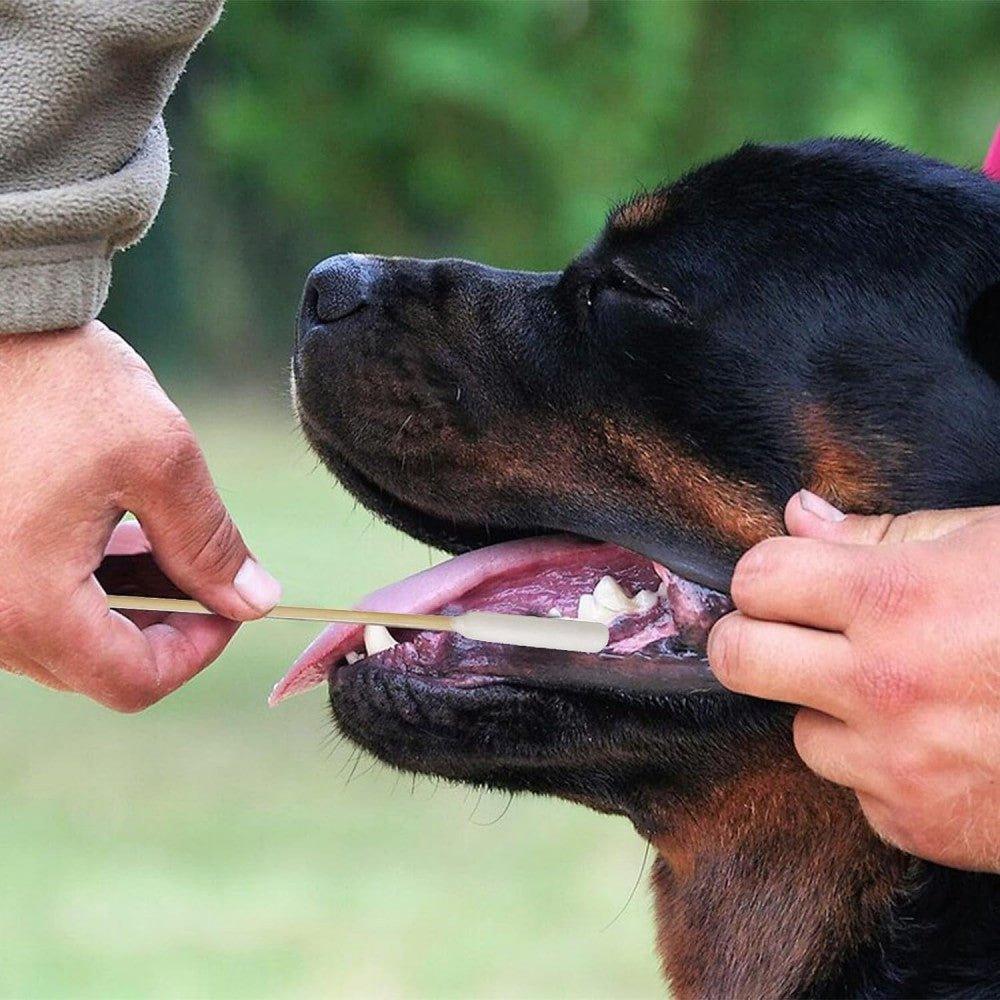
(887, 630)
(87, 433)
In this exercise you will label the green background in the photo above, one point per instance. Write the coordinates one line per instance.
(211, 847)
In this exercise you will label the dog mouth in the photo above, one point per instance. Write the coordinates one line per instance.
(658, 622)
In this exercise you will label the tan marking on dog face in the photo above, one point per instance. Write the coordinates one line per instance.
(838, 470)
(765, 879)
(841, 471)
(641, 211)
(590, 462)
(688, 490)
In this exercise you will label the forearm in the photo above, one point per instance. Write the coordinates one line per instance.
(83, 154)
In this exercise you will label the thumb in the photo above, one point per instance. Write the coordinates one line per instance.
(194, 539)
(810, 516)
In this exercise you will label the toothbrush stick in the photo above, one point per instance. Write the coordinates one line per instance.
(484, 626)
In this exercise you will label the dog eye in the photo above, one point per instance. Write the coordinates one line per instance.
(627, 285)
(631, 287)
(618, 286)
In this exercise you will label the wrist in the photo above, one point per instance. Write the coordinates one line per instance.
(53, 287)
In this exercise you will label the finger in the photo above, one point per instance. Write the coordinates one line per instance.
(820, 584)
(192, 535)
(24, 667)
(810, 516)
(103, 655)
(128, 539)
(885, 819)
(183, 645)
(782, 662)
(832, 749)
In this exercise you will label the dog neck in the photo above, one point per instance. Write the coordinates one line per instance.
(769, 885)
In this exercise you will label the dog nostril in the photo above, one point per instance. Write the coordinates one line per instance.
(330, 312)
(340, 286)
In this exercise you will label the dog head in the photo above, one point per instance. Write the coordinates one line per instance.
(784, 317)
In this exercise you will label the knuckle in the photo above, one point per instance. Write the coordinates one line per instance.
(908, 766)
(904, 527)
(885, 682)
(125, 682)
(175, 453)
(884, 590)
(217, 549)
(130, 688)
(163, 452)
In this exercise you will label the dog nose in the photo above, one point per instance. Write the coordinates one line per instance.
(336, 288)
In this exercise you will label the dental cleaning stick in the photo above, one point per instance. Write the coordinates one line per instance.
(570, 634)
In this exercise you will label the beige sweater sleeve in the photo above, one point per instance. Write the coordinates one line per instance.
(83, 153)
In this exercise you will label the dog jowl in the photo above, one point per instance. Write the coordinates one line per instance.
(604, 441)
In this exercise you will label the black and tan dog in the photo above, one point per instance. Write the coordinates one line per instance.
(822, 315)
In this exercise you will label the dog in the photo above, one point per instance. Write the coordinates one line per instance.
(606, 440)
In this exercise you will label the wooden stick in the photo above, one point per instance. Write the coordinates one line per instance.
(437, 623)
(484, 626)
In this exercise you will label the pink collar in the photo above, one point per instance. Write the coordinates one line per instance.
(991, 165)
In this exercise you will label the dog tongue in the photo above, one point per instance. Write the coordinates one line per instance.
(424, 593)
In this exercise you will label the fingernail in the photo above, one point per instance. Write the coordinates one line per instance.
(820, 507)
(256, 586)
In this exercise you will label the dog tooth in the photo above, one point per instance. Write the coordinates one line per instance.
(589, 610)
(610, 595)
(377, 639)
(554, 613)
(645, 600)
(353, 657)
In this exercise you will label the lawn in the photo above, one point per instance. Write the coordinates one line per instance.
(213, 847)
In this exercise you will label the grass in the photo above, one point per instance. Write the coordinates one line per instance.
(213, 847)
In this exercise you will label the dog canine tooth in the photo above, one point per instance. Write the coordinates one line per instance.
(377, 639)
(554, 613)
(608, 593)
(353, 657)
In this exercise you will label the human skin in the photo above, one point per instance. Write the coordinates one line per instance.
(86, 434)
(886, 629)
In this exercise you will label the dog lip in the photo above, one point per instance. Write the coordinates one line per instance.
(693, 562)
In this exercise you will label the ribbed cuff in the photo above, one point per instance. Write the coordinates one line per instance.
(51, 288)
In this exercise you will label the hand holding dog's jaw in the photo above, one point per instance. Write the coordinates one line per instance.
(87, 433)
(886, 630)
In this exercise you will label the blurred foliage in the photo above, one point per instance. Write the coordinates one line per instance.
(499, 130)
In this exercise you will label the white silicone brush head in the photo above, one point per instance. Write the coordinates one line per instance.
(569, 634)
